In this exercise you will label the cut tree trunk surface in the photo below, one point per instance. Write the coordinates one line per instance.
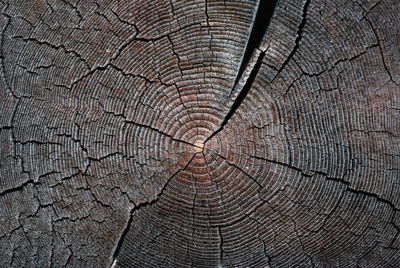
(200, 133)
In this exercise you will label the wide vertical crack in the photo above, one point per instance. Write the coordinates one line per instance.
(241, 96)
(220, 246)
(261, 22)
(262, 19)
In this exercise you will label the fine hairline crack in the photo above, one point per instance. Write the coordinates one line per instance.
(141, 205)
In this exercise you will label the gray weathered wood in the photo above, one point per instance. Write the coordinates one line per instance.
(200, 133)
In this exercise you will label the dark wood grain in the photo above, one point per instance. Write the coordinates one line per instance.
(216, 133)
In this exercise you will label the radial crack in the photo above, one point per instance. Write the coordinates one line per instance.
(298, 38)
(17, 188)
(163, 133)
(139, 206)
(242, 95)
(260, 24)
(262, 19)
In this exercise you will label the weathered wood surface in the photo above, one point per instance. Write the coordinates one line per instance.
(154, 134)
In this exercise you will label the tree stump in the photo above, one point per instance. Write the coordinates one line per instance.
(191, 133)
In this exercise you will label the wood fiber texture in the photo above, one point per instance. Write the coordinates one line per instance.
(200, 133)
